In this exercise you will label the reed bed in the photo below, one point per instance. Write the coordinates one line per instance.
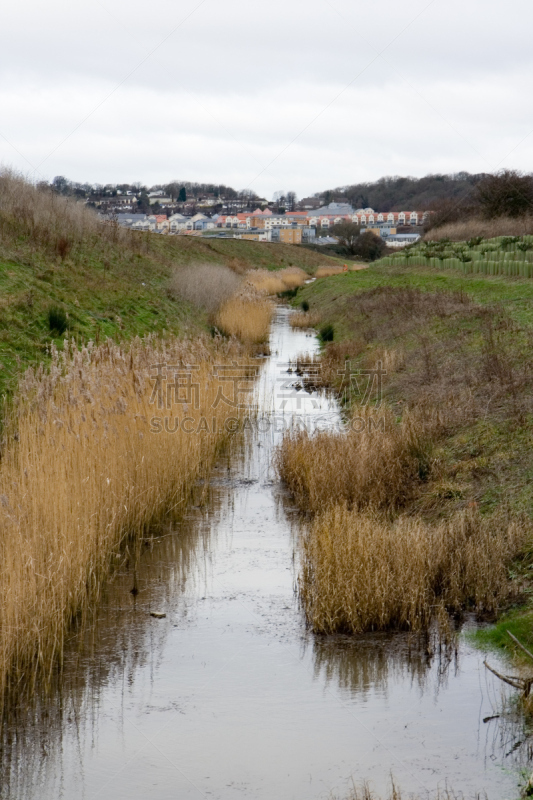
(246, 316)
(88, 463)
(293, 277)
(265, 282)
(305, 319)
(205, 285)
(362, 572)
(378, 463)
(270, 283)
(327, 272)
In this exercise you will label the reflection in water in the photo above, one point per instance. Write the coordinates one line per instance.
(228, 696)
(109, 649)
(366, 664)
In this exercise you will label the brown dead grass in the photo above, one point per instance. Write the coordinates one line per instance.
(305, 319)
(362, 572)
(270, 283)
(57, 223)
(487, 228)
(378, 464)
(246, 316)
(327, 272)
(83, 471)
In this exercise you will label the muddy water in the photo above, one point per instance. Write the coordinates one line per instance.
(228, 696)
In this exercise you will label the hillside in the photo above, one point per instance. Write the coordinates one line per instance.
(400, 194)
(57, 261)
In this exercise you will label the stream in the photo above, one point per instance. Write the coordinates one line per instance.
(229, 696)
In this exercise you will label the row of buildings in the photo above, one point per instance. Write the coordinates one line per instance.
(294, 227)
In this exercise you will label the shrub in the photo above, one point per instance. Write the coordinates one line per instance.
(326, 333)
(57, 320)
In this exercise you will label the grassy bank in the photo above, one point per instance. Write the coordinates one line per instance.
(63, 271)
(450, 436)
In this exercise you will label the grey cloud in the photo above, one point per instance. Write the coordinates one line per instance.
(299, 90)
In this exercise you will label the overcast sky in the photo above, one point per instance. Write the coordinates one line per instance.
(267, 95)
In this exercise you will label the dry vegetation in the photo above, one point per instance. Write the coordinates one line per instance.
(82, 473)
(397, 536)
(205, 285)
(463, 231)
(327, 272)
(305, 319)
(269, 283)
(377, 464)
(236, 307)
(293, 277)
(247, 317)
(56, 223)
(362, 572)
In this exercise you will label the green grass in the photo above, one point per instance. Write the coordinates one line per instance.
(519, 622)
(515, 293)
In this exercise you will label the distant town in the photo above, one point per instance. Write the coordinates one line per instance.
(262, 224)
(194, 209)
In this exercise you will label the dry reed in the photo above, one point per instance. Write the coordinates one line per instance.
(487, 228)
(361, 572)
(305, 319)
(246, 316)
(327, 272)
(265, 282)
(364, 792)
(293, 277)
(378, 463)
(205, 285)
(87, 466)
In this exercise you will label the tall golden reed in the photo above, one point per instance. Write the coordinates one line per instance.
(378, 463)
(305, 319)
(270, 283)
(362, 572)
(327, 272)
(246, 316)
(89, 463)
